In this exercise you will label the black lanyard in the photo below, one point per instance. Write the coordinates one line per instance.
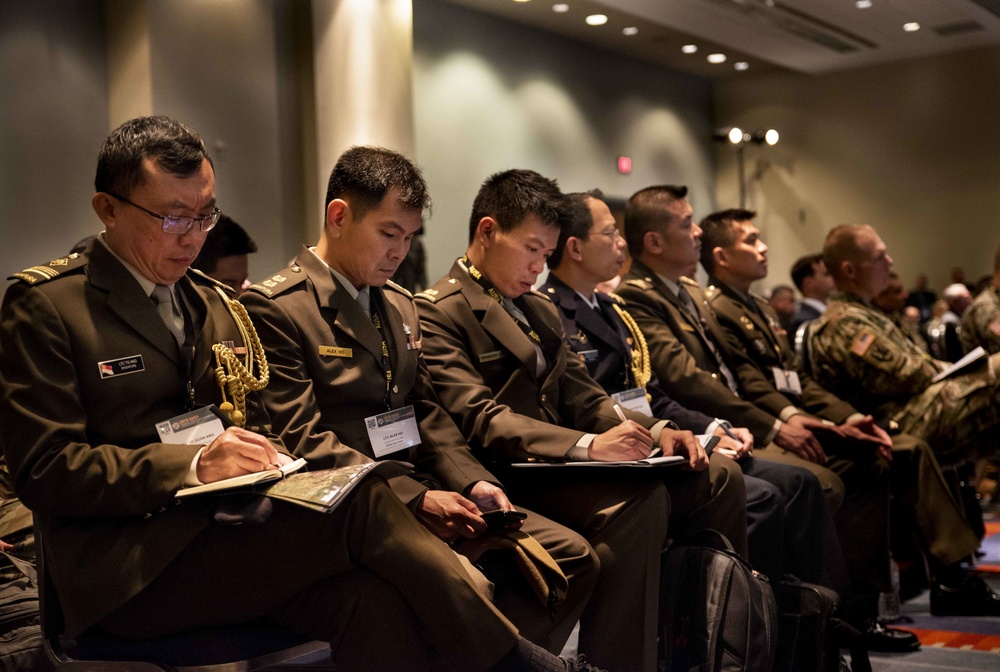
(376, 307)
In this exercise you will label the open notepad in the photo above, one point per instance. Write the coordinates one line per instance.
(707, 441)
(961, 364)
(238, 482)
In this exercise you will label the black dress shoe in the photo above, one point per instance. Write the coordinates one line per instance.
(877, 637)
(972, 598)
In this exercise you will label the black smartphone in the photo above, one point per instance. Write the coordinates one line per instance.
(499, 518)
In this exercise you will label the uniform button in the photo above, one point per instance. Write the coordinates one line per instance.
(543, 398)
(395, 389)
(296, 269)
(715, 375)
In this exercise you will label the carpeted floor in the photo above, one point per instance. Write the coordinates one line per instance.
(952, 644)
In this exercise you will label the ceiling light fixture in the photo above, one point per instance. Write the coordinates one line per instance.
(522, 0)
(690, 48)
(741, 66)
(560, 8)
(597, 20)
(630, 31)
(911, 27)
(715, 59)
(863, 4)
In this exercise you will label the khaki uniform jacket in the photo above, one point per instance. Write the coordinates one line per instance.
(327, 376)
(484, 369)
(681, 358)
(82, 445)
(766, 343)
(981, 322)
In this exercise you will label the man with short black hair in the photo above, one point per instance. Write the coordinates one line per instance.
(337, 329)
(815, 284)
(224, 255)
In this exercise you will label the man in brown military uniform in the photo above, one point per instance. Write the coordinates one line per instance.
(735, 257)
(328, 376)
(860, 355)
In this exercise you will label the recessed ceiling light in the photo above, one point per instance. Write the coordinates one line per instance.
(911, 27)
(863, 4)
(597, 20)
(716, 58)
(630, 30)
(560, 8)
(741, 65)
(522, 0)
(689, 48)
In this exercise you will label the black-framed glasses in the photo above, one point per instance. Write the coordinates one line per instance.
(177, 224)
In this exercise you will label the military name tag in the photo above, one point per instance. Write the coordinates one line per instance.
(634, 400)
(787, 381)
(589, 356)
(490, 356)
(331, 351)
(196, 428)
(121, 367)
(393, 431)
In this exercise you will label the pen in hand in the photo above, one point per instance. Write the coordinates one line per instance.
(621, 416)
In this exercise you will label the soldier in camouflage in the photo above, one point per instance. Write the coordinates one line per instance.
(981, 322)
(860, 355)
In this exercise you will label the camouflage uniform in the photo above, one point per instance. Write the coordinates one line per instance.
(981, 322)
(859, 354)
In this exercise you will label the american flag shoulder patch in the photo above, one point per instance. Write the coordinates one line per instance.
(862, 343)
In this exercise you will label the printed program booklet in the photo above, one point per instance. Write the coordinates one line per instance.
(319, 490)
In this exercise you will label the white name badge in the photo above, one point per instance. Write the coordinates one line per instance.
(196, 428)
(393, 430)
(787, 381)
(634, 400)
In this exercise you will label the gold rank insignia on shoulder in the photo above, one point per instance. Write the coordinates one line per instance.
(747, 324)
(579, 336)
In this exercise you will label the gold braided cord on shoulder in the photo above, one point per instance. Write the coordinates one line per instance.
(641, 371)
(235, 376)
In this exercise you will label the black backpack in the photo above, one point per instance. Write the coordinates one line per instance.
(716, 613)
(21, 646)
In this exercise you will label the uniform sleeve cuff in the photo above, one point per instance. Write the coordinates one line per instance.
(581, 451)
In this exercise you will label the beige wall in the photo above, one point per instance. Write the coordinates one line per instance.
(911, 148)
(491, 95)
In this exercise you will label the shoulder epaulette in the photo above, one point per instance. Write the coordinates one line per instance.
(389, 284)
(541, 295)
(645, 284)
(614, 297)
(684, 280)
(200, 278)
(279, 282)
(444, 287)
(36, 275)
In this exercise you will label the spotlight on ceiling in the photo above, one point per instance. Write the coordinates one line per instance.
(560, 8)
(911, 27)
(596, 20)
(741, 66)
(630, 31)
(690, 48)
(715, 59)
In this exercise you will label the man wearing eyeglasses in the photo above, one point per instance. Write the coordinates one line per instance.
(102, 355)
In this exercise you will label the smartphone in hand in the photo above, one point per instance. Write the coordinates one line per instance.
(499, 519)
